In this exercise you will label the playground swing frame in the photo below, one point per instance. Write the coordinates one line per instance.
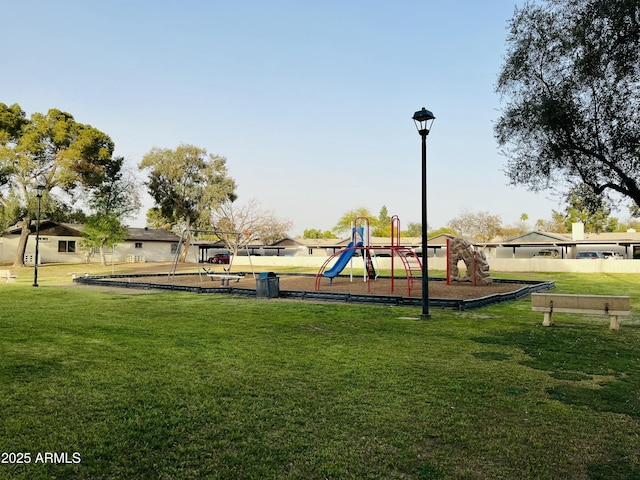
(217, 233)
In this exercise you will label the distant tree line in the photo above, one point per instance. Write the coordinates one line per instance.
(485, 227)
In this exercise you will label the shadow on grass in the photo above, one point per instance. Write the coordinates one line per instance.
(427, 471)
(619, 469)
(597, 369)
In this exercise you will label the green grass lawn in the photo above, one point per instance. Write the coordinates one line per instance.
(141, 384)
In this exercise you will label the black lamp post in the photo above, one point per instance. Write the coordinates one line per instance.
(40, 189)
(423, 120)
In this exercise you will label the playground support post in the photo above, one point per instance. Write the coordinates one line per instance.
(448, 261)
(423, 120)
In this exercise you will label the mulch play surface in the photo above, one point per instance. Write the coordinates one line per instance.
(382, 286)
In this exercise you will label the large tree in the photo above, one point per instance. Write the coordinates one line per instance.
(571, 87)
(49, 149)
(187, 185)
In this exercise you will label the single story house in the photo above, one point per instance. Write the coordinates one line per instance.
(62, 243)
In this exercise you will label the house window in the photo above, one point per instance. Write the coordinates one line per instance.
(66, 246)
(174, 248)
(138, 244)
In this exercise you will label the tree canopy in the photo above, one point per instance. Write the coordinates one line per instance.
(583, 206)
(571, 83)
(345, 224)
(52, 150)
(316, 233)
(481, 226)
(383, 228)
(187, 184)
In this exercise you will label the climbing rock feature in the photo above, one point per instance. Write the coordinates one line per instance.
(476, 263)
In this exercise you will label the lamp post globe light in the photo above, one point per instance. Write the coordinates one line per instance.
(423, 120)
(40, 189)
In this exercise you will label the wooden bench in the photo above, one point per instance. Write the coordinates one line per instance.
(7, 276)
(612, 306)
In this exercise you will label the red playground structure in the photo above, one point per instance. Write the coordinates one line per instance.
(361, 241)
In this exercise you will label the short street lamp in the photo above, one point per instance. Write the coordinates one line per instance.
(423, 120)
(40, 189)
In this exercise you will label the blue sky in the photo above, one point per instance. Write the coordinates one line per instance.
(310, 102)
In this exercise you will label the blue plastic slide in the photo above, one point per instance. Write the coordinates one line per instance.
(343, 259)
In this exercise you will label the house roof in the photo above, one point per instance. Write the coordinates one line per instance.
(60, 229)
(51, 227)
(608, 237)
(287, 242)
(321, 242)
(440, 239)
(151, 235)
(538, 237)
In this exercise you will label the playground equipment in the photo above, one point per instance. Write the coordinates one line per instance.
(185, 240)
(343, 259)
(476, 263)
(360, 240)
(410, 261)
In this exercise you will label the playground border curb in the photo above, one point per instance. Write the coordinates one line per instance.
(531, 286)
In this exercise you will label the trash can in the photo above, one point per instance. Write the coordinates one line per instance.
(267, 285)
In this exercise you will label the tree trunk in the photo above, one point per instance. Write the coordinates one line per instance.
(18, 260)
(185, 247)
(187, 242)
(103, 255)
